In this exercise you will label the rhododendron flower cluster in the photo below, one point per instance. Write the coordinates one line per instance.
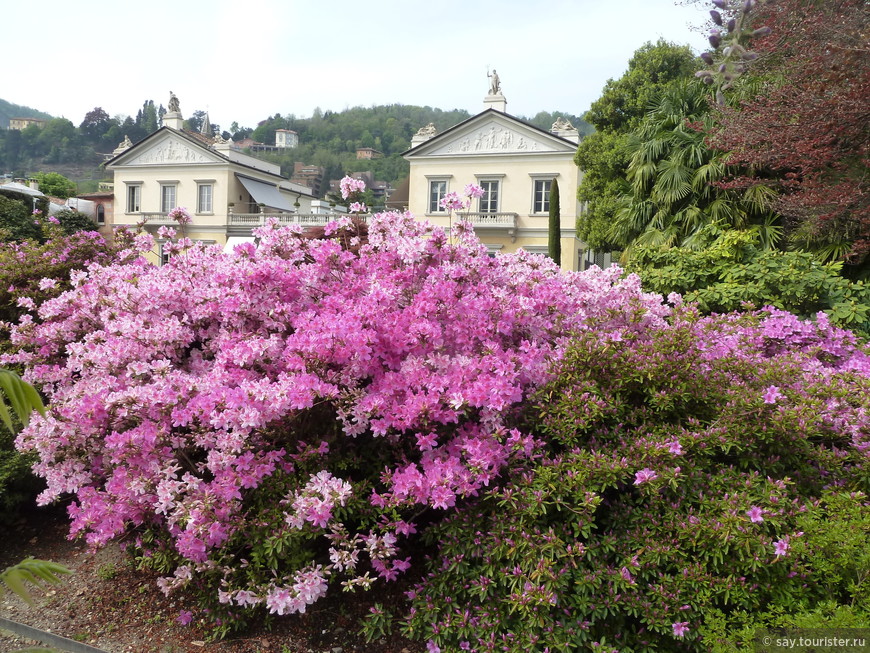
(348, 185)
(180, 215)
(183, 398)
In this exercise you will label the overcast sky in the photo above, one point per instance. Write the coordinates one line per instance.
(247, 60)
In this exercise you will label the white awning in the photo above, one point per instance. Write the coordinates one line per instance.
(21, 188)
(267, 194)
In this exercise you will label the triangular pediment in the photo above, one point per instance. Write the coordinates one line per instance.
(492, 133)
(168, 148)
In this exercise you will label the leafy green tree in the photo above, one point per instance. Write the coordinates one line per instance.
(55, 184)
(60, 142)
(10, 150)
(619, 110)
(95, 124)
(673, 177)
(16, 220)
(624, 102)
(603, 158)
(72, 221)
(149, 117)
(554, 245)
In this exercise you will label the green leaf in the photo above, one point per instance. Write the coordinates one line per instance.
(31, 570)
(23, 399)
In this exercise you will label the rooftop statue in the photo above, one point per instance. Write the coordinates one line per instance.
(174, 107)
(428, 130)
(561, 124)
(494, 83)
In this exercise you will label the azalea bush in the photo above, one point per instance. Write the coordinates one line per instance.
(700, 479)
(32, 272)
(269, 423)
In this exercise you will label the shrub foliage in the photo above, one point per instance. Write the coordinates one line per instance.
(684, 491)
(592, 467)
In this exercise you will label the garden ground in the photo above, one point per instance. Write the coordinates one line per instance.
(111, 606)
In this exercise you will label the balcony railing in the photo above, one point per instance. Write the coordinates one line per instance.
(505, 220)
(251, 220)
(156, 218)
(498, 220)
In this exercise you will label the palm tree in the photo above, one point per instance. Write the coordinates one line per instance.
(674, 179)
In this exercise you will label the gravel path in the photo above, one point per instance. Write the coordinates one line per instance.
(108, 605)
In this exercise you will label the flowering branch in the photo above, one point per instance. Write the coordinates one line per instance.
(453, 202)
(730, 38)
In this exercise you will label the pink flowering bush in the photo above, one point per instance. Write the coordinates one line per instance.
(272, 422)
(700, 479)
(32, 272)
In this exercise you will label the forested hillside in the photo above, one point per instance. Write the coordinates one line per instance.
(328, 139)
(9, 110)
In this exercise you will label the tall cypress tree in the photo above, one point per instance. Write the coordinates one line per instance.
(554, 244)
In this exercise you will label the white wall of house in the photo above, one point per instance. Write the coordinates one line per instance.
(496, 148)
(169, 169)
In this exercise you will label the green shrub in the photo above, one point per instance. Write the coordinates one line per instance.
(692, 476)
(736, 272)
(72, 221)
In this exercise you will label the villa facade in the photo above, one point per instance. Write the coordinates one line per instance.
(515, 163)
(226, 192)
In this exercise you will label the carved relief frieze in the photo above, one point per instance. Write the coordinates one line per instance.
(493, 138)
(170, 151)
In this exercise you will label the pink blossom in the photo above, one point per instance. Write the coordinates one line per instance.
(780, 547)
(180, 215)
(644, 475)
(176, 392)
(184, 617)
(357, 207)
(771, 394)
(755, 514)
(349, 185)
(675, 448)
(474, 191)
(680, 628)
(452, 202)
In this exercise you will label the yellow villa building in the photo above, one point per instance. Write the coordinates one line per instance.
(515, 163)
(226, 192)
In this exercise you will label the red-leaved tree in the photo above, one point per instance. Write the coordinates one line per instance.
(801, 121)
